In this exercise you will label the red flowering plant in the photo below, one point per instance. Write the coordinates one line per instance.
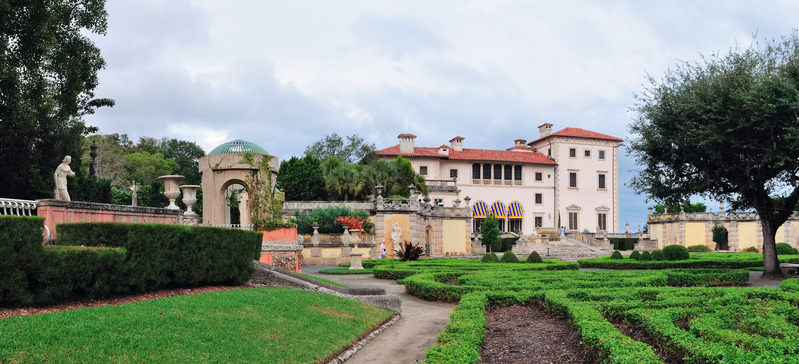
(352, 222)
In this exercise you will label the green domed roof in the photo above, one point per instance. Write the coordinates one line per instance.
(238, 146)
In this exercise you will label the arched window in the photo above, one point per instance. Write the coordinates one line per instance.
(515, 215)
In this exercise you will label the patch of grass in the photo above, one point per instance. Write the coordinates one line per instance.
(236, 326)
(322, 280)
(346, 271)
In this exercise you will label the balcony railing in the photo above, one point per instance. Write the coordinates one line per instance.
(442, 185)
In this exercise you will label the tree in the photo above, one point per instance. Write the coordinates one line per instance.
(302, 179)
(354, 150)
(344, 181)
(674, 208)
(726, 127)
(48, 73)
(489, 233)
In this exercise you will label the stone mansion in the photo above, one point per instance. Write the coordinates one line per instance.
(568, 177)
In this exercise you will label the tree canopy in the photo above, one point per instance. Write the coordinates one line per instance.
(725, 127)
(353, 150)
(302, 179)
(48, 73)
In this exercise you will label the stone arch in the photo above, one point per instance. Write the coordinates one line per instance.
(229, 164)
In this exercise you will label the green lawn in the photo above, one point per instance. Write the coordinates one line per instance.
(259, 325)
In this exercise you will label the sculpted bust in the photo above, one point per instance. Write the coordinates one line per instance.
(396, 233)
(60, 175)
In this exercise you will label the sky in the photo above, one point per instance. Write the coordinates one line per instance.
(284, 74)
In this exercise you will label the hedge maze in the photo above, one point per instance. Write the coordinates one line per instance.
(685, 315)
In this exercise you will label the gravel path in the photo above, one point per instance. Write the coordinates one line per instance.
(405, 341)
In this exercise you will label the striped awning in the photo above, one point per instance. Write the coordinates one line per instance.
(515, 210)
(498, 209)
(479, 210)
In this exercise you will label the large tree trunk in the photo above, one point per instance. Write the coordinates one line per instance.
(771, 265)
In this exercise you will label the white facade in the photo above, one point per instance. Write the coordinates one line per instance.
(540, 180)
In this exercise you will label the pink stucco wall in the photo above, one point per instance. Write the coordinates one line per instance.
(57, 212)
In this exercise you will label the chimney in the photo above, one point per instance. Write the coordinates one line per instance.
(406, 143)
(443, 150)
(545, 129)
(456, 143)
(518, 142)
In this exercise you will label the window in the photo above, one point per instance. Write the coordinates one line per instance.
(588, 153)
(539, 221)
(423, 170)
(453, 173)
(602, 221)
(486, 171)
(476, 171)
(515, 226)
(517, 173)
(497, 171)
(477, 224)
(601, 182)
(508, 175)
(539, 176)
(572, 179)
(539, 198)
(601, 154)
(572, 221)
(502, 225)
(572, 153)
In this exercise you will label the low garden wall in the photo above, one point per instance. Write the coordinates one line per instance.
(332, 249)
(56, 212)
(280, 248)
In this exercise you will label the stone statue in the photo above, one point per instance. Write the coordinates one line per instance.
(396, 233)
(60, 176)
(134, 200)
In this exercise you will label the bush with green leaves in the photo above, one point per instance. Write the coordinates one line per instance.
(509, 257)
(326, 219)
(534, 258)
(490, 258)
(751, 249)
(675, 252)
(698, 248)
(616, 255)
(489, 234)
(635, 255)
(786, 249)
(645, 256)
(657, 255)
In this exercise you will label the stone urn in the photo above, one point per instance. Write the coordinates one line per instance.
(356, 255)
(171, 190)
(189, 197)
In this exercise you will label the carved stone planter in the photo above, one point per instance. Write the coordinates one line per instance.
(171, 190)
(189, 197)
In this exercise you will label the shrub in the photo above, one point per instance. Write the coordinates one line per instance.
(409, 252)
(20, 252)
(616, 255)
(786, 249)
(751, 249)
(646, 256)
(675, 252)
(490, 258)
(509, 257)
(489, 234)
(658, 255)
(720, 236)
(635, 255)
(698, 248)
(534, 258)
(326, 218)
(623, 243)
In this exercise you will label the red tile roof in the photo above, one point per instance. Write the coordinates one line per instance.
(483, 155)
(521, 146)
(578, 133)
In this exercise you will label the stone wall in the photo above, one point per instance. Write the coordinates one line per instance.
(57, 212)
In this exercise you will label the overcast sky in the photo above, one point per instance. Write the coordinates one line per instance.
(283, 74)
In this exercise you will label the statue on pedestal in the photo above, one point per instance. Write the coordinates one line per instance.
(396, 233)
(60, 175)
(134, 201)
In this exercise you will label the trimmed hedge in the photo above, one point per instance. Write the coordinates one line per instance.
(534, 258)
(709, 260)
(698, 248)
(509, 257)
(21, 254)
(94, 260)
(675, 252)
(490, 258)
(160, 255)
(786, 249)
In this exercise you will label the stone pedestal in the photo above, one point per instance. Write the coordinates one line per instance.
(356, 260)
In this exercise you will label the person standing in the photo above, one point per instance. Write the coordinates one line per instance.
(382, 251)
(61, 172)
